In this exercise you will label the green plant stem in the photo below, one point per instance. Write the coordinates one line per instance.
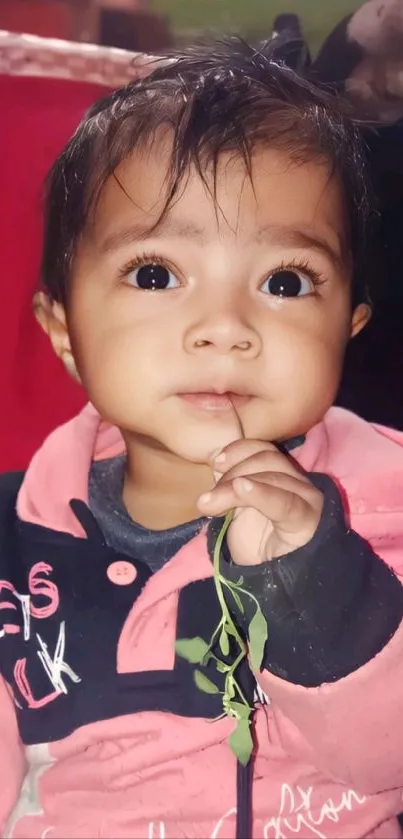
(232, 671)
(216, 632)
(218, 580)
(240, 590)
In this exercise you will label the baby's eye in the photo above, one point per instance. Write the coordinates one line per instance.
(287, 282)
(152, 277)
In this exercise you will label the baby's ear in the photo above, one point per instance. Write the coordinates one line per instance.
(361, 316)
(51, 316)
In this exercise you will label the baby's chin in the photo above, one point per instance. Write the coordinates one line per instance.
(198, 445)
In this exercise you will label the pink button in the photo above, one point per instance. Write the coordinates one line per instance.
(122, 573)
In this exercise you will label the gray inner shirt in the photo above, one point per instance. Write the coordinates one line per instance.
(153, 547)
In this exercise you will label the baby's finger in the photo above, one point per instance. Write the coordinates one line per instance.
(219, 501)
(237, 451)
(263, 461)
(281, 498)
(286, 501)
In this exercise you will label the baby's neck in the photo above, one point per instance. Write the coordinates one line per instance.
(160, 489)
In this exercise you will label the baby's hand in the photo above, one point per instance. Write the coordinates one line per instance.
(277, 509)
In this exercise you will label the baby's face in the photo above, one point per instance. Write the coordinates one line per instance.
(247, 295)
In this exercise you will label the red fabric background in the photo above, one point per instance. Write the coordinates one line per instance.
(37, 117)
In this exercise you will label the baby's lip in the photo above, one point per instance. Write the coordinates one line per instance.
(227, 391)
(211, 400)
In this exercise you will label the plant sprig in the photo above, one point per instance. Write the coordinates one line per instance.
(198, 651)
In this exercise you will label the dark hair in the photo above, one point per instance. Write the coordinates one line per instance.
(228, 97)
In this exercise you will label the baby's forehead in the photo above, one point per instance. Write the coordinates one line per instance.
(277, 194)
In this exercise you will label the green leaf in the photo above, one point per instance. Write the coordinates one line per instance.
(204, 684)
(240, 741)
(192, 649)
(238, 600)
(224, 642)
(240, 710)
(257, 633)
(240, 582)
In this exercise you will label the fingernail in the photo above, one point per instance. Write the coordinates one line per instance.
(215, 454)
(205, 499)
(243, 485)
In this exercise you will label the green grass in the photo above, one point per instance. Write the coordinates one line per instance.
(254, 17)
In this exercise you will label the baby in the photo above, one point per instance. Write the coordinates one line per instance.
(166, 675)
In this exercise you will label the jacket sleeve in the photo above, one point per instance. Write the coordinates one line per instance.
(12, 755)
(12, 759)
(333, 662)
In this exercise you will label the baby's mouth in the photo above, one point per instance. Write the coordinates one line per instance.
(213, 401)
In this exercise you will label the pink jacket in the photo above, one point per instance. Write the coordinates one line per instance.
(329, 760)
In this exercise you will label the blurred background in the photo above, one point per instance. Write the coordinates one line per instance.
(147, 24)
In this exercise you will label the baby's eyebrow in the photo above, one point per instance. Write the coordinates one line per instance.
(273, 234)
(308, 239)
(166, 227)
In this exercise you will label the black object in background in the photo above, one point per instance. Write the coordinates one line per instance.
(338, 56)
(372, 385)
(292, 47)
